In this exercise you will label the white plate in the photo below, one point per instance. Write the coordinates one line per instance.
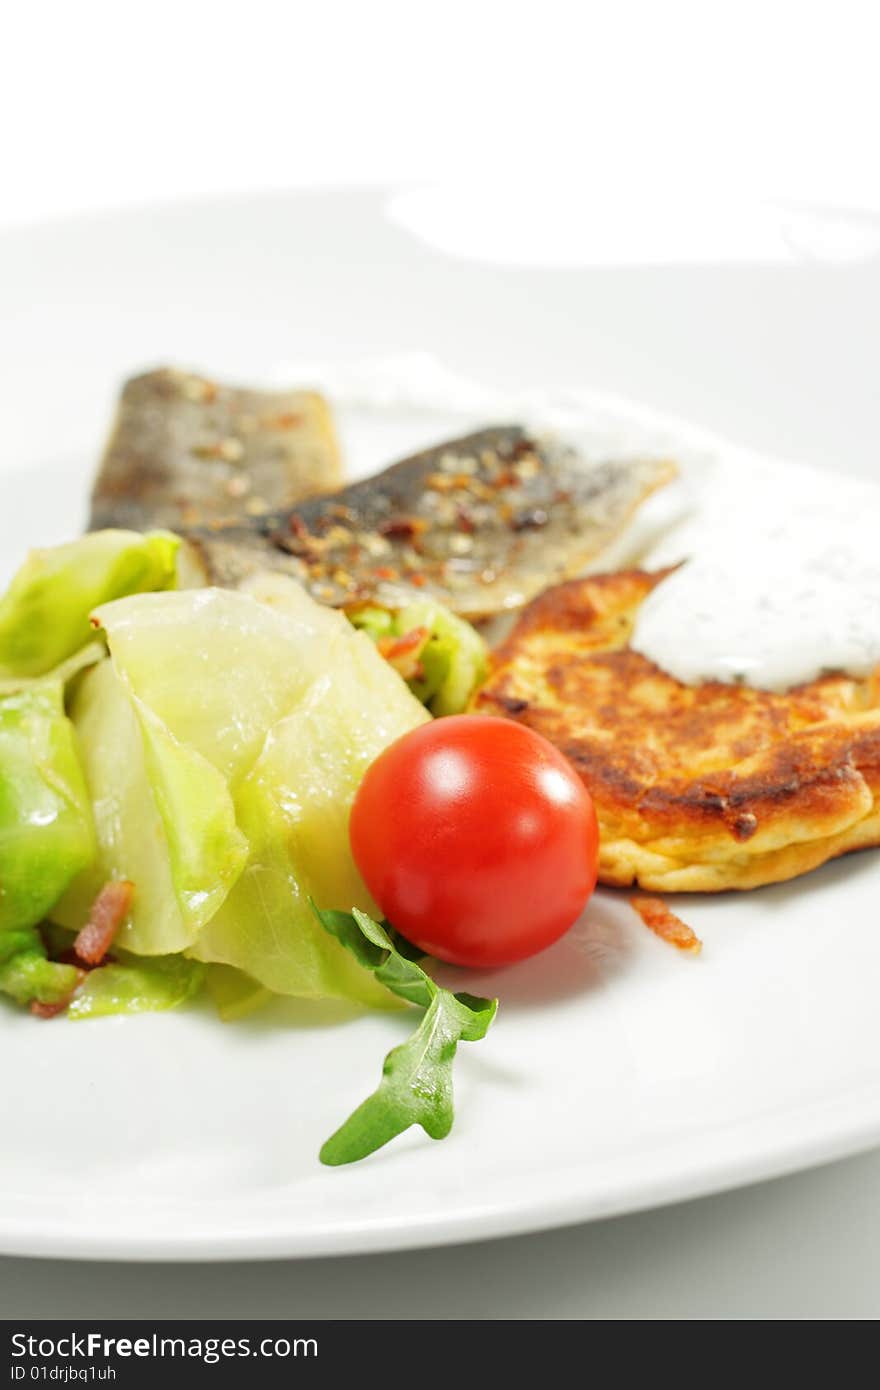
(619, 1074)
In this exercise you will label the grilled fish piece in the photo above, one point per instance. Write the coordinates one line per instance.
(481, 524)
(185, 451)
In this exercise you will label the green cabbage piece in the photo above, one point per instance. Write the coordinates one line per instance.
(25, 973)
(126, 984)
(294, 807)
(223, 744)
(64, 673)
(47, 835)
(234, 994)
(133, 985)
(163, 815)
(44, 614)
(453, 660)
(375, 622)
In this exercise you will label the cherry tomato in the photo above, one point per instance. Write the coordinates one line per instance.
(476, 838)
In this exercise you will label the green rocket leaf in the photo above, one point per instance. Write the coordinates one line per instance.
(416, 1085)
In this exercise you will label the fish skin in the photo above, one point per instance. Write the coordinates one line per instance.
(481, 523)
(186, 451)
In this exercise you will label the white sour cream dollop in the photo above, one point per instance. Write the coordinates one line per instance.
(781, 580)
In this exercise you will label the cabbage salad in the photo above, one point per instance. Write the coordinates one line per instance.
(177, 768)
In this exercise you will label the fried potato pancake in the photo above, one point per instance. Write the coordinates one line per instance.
(697, 788)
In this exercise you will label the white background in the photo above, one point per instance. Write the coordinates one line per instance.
(102, 104)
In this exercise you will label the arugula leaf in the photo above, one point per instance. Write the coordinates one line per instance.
(416, 1085)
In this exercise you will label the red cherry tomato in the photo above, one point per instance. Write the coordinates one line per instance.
(477, 839)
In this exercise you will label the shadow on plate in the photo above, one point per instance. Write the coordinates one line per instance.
(280, 1014)
(827, 878)
(598, 948)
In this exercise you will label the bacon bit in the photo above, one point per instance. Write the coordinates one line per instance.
(109, 911)
(403, 652)
(49, 1010)
(465, 521)
(404, 527)
(40, 1010)
(658, 918)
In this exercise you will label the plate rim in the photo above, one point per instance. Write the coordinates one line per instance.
(685, 1176)
(810, 1139)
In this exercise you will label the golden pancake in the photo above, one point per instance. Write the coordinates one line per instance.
(697, 788)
